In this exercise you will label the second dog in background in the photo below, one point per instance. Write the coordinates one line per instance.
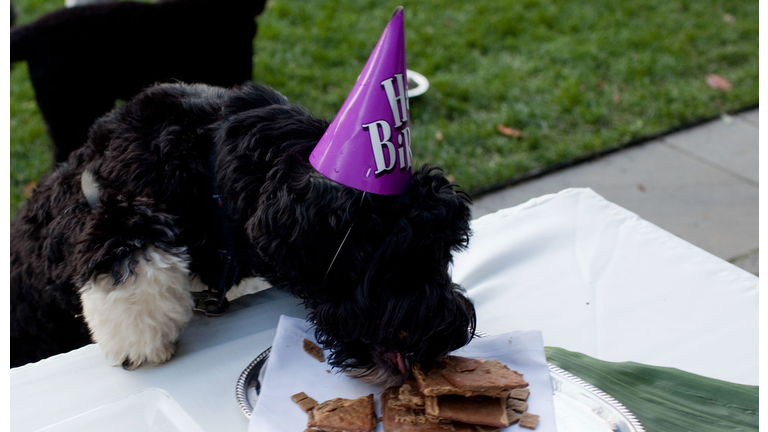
(82, 59)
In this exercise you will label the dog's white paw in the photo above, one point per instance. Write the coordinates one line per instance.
(140, 320)
(156, 355)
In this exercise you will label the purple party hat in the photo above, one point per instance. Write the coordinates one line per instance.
(368, 144)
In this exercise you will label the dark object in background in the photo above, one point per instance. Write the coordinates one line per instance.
(82, 59)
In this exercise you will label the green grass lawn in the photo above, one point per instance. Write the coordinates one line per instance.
(575, 76)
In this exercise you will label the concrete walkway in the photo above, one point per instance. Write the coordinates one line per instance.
(700, 184)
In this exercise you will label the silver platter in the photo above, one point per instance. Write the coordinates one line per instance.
(579, 406)
(582, 407)
(249, 383)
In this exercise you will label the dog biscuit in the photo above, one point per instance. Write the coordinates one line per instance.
(517, 405)
(477, 410)
(467, 377)
(307, 404)
(489, 377)
(304, 402)
(520, 394)
(349, 415)
(315, 351)
(299, 397)
(397, 419)
(409, 395)
(513, 416)
(529, 421)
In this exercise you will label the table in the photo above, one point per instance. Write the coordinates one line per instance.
(597, 279)
(594, 277)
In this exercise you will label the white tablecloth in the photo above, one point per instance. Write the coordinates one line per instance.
(590, 275)
(597, 279)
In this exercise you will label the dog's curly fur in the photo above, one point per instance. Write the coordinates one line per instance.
(388, 294)
(82, 59)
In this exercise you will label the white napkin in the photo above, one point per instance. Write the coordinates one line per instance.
(290, 370)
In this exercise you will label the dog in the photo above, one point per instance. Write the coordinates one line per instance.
(82, 59)
(116, 264)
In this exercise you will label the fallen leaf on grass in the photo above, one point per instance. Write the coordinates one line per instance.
(439, 136)
(28, 188)
(729, 18)
(718, 83)
(617, 98)
(508, 131)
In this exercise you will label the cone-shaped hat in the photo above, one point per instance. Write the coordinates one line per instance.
(368, 144)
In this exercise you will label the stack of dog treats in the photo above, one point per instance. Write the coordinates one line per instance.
(454, 394)
(458, 394)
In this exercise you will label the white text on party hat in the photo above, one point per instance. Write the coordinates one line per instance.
(380, 131)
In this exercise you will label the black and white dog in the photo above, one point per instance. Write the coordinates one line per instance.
(82, 59)
(119, 269)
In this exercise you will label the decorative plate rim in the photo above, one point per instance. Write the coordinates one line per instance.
(618, 406)
(241, 390)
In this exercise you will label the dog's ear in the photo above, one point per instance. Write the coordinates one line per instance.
(435, 210)
(429, 222)
(301, 220)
